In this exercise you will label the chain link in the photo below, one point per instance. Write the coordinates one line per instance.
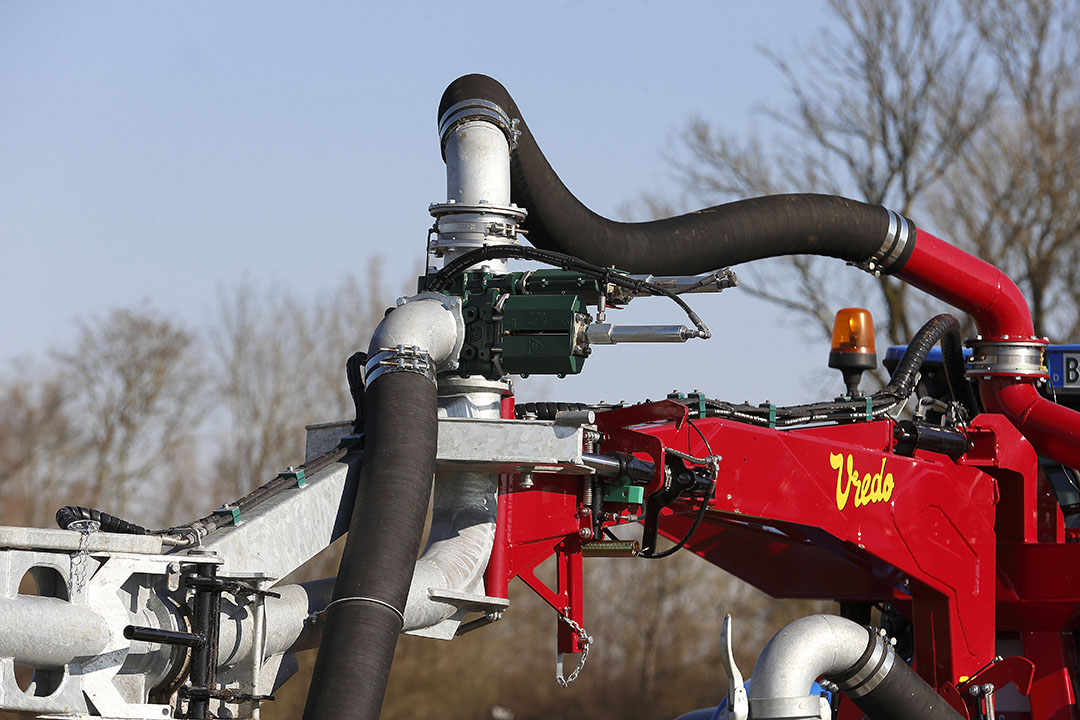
(586, 641)
(85, 528)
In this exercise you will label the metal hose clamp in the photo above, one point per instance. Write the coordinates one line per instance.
(872, 671)
(477, 109)
(402, 358)
(901, 231)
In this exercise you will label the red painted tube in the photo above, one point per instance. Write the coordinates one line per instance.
(966, 282)
(1000, 310)
(1053, 429)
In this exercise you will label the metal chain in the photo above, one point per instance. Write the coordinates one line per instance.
(85, 528)
(586, 641)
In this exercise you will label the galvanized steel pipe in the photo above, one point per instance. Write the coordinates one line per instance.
(48, 633)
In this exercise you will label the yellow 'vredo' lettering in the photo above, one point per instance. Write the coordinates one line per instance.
(869, 488)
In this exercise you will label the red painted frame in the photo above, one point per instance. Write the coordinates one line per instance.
(973, 550)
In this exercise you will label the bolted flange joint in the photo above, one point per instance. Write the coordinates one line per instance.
(1006, 356)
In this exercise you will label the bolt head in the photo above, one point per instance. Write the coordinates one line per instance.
(585, 533)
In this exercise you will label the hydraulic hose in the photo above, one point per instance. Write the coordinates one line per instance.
(695, 242)
(69, 514)
(944, 328)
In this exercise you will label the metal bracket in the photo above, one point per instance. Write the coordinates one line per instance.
(464, 603)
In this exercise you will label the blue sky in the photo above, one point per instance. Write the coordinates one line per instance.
(151, 153)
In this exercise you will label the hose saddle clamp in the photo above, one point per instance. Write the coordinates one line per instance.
(901, 231)
(477, 109)
(402, 358)
(1005, 356)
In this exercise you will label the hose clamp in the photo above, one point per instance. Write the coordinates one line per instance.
(1005, 356)
(477, 109)
(901, 232)
(872, 671)
(402, 358)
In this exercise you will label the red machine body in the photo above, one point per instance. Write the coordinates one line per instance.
(972, 551)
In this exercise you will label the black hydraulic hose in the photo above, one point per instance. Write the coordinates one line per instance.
(69, 514)
(696, 242)
(545, 410)
(946, 328)
(363, 620)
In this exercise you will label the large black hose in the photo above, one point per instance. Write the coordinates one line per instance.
(903, 695)
(884, 687)
(697, 242)
(366, 615)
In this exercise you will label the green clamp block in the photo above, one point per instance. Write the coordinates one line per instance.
(634, 494)
(298, 475)
(232, 512)
(699, 400)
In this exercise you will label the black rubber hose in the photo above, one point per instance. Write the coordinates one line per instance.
(109, 523)
(903, 695)
(945, 328)
(697, 242)
(900, 695)
(364, 619)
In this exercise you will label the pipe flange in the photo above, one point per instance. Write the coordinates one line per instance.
(1005, 356)
(458, 225)
(455, 385)
(402, 358)
(477, 109)
(901, 232)
(511, 211)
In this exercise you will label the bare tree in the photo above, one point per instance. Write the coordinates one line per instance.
(36, 444)
(133, 382)
(111, 423)
(880, 111)
(281, 365)
(1015, 197)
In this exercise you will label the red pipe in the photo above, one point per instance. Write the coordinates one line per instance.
(1000, 311)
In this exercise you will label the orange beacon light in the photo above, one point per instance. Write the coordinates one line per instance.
(853, 346)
